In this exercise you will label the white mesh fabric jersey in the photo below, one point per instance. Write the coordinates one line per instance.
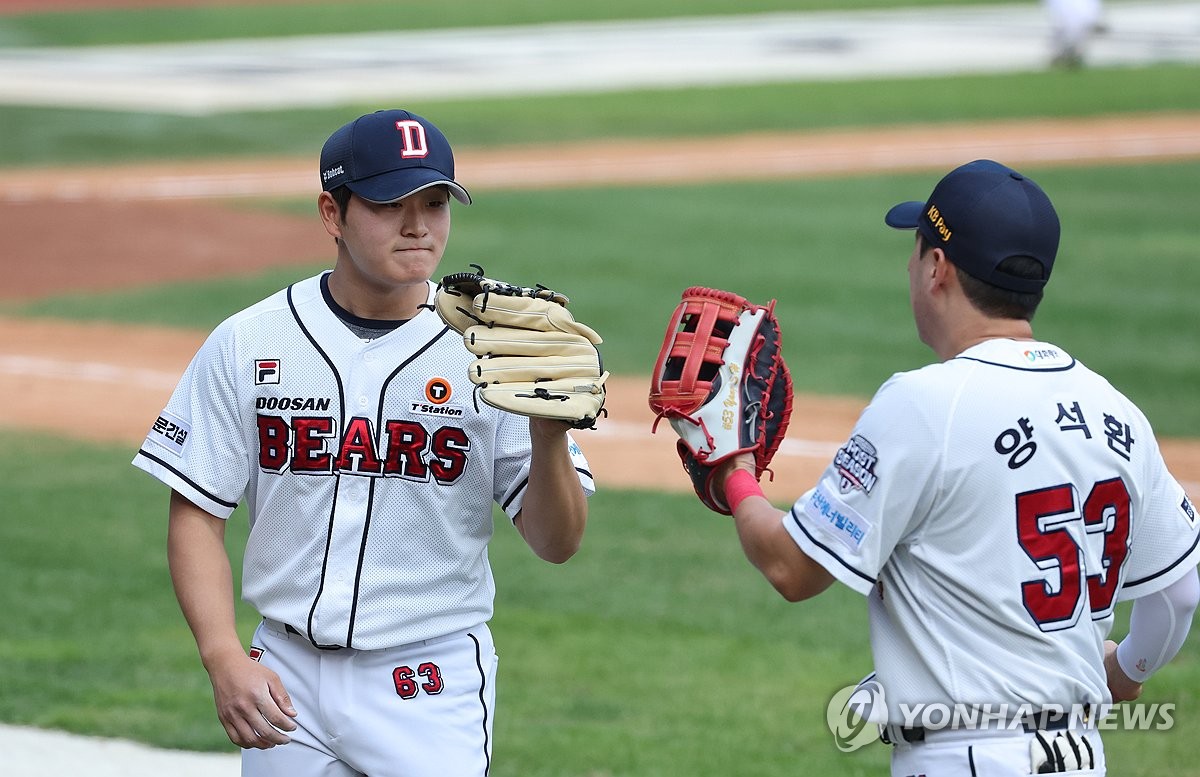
(993, 508)
(368, 471)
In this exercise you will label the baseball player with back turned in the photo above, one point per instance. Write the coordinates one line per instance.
(339, 409)
(993, 508)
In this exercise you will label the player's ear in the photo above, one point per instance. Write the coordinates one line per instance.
(940, 265)
(331, 214)
(945, 278)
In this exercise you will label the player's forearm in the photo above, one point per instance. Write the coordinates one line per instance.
(1158, 625)
(203, 579)
(554, 511)
(771, 550)
(765, 541)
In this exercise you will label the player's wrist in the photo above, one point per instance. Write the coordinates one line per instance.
(740, 486)
(548, 428)
(217, 651)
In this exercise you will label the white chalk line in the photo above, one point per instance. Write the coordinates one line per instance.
(92, 372)
(18, 365)
(35, 752)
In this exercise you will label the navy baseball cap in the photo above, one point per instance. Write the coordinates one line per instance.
(981, 214)
(387, 155)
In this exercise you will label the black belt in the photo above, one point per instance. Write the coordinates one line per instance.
(1044, 720)
(290, 629)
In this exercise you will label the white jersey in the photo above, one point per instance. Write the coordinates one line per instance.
(368, 470)
(994, 508)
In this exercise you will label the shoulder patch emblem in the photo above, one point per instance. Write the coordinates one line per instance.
(855, 464)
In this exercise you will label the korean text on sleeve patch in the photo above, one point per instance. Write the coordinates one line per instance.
(171, 432)
(837, 519)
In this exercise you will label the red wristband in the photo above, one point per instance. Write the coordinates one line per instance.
(740, 485)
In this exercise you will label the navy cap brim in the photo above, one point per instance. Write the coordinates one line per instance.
(906, 215)
(396, 185)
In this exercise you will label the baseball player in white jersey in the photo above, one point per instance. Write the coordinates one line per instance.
(993, 508)
(1072, 25)
(339, 409)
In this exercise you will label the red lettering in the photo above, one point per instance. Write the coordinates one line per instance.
(358, 452)
(410, 451)
(1041, 530)
(273, 438)
(311, 450)
(406, 443)
(450, 446)
(1107, 510)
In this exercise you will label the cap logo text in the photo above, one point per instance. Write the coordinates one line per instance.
(935, 218)
(412, 139)
(332, 172)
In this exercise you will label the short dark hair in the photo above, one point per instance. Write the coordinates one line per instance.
(341, 195)
(994, 301)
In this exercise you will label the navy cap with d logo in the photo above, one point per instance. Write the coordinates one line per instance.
(387, 155)
(981, 214)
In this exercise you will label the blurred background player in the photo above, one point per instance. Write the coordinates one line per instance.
(1073, 23)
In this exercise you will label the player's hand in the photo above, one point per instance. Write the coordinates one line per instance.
(252, 703)
(1120, 685)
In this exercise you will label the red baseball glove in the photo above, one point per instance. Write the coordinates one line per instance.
(721, 382)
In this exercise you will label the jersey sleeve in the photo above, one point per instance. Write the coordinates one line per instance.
(872, 495)
(1166, 542)
(512, 463)
(197, 445)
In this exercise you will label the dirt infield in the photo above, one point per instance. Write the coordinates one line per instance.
(87, 236)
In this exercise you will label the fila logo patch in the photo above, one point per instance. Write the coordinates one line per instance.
(266, 371)
(412, 138)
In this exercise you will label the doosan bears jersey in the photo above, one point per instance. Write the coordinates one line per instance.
(1080, 510)
(368, 471)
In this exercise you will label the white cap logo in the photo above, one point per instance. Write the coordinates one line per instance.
(412, 139)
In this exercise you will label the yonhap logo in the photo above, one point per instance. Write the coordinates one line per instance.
(855, 713)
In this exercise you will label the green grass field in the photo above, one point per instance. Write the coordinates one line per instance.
(658, 650)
